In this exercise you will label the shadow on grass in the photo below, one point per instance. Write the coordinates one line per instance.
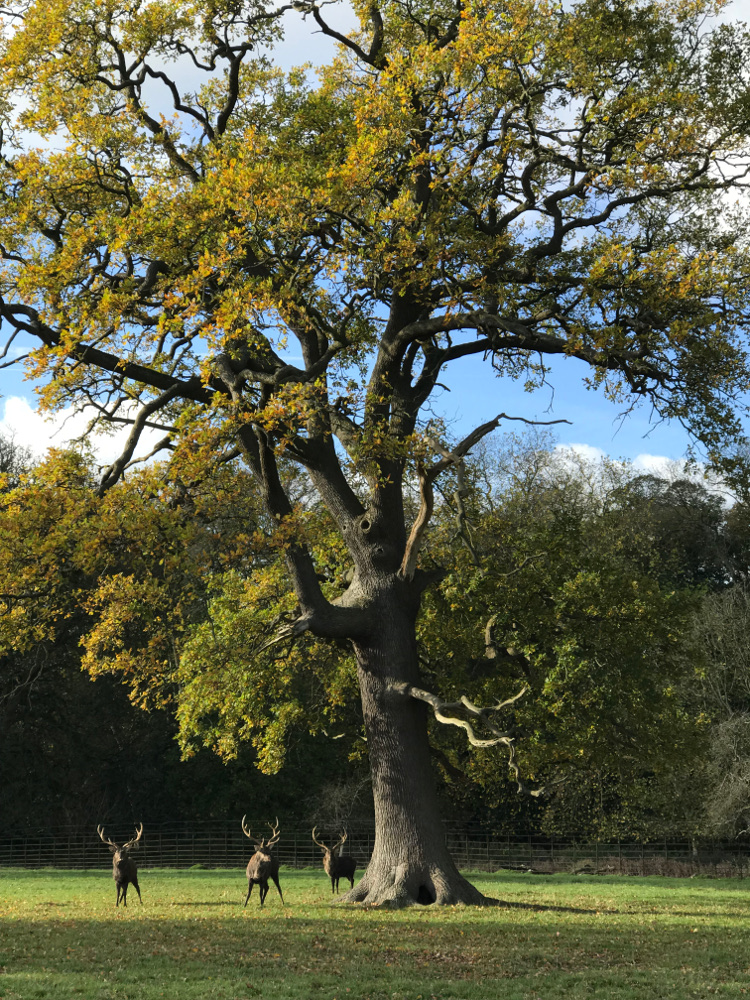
(545, 880)
(222, 902)
(512, 904)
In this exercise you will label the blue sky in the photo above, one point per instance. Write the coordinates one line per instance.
(475, 395)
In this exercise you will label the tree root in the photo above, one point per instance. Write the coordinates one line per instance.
(406, 885)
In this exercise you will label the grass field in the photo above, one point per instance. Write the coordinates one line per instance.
(560, 936)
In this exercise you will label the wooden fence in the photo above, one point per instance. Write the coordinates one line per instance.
(220, 845)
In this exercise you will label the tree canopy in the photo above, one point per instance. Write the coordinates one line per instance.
(280, 265)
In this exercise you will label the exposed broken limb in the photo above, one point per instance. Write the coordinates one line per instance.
(428, 476)
(499, 737)
(440, 708)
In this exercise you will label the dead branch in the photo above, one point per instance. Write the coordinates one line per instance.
(499, 738)
(427, 499)
(440, 708)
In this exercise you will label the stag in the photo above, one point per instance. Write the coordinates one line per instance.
(336, 865)
(124, 869)
(262, 865)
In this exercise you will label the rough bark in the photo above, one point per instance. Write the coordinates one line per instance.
(410, 863)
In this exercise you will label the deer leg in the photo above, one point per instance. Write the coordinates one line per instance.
(249, 890)
(263, 891)
(125, 894)
(351, 881)
(137, 889)
(333, 885)
(119, 890)
(276, 883)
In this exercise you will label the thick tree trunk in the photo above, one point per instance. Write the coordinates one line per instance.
(410, 862)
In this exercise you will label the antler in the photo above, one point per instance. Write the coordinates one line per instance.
(316, 841)
(109, 843)
(341, 842)
(275, 834)
(246, 831)
(134, 841)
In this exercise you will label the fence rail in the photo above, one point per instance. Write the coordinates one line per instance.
(224, 846)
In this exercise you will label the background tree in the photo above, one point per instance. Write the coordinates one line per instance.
(514, 182)
(124, 574)
(590, 619)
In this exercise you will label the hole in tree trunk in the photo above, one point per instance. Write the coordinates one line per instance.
(425, 896)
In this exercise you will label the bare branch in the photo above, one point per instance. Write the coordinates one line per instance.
(115, 470)
(464, 447)
(440, 708)
(499, 738)
(427, 499)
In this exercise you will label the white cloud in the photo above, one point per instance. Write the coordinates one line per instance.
(657, 465)
(32, 430)
(586, 452)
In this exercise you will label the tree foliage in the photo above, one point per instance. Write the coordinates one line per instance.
(564, 591)
(636, 716)
(113, 584)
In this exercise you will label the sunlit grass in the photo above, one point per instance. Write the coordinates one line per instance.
(571, 936)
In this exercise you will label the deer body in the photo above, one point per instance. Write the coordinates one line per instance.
(263, 865)
(124, 868)
(335, 865)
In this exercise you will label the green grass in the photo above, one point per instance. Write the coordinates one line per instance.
(571, 936)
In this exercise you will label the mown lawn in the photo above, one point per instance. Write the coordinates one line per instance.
(560, 936)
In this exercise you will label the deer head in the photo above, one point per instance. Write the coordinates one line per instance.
(263, 845)
(120, 853)
(330, 850)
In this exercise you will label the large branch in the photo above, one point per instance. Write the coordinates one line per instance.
(428, 476)
(317, 614)
(27, 320)
(520, 335)
(499, 737)
(328, 621)
(372, 58)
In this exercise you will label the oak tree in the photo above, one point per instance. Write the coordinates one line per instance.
(283, 265)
